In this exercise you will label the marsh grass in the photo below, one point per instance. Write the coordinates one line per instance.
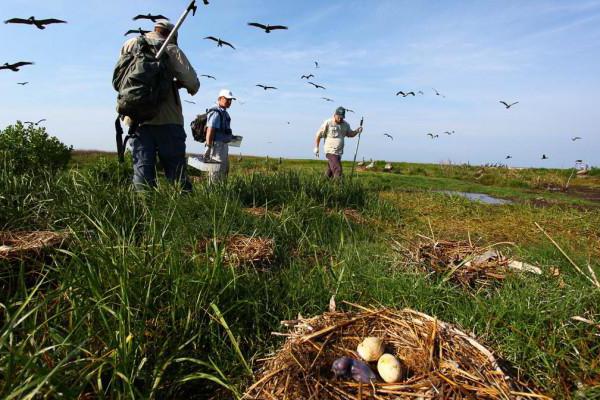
(128, 311)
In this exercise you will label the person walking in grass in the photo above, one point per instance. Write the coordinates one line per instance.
(334, 130)
(218, 135)
(164, 134)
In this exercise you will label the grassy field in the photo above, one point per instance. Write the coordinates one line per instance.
(133, 307)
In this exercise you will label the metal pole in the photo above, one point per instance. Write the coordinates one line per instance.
(192, 7)
(356, 152)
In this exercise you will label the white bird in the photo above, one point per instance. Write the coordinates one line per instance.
(371, 165)
(388, 167)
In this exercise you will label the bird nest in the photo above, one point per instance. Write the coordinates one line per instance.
(438, 360)
(462, 262)
(23, 245)
(244, 250)
(262, 211)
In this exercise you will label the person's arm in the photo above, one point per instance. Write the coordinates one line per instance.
(352, 133)
(182, 69)
(320, 134)
(213, 123)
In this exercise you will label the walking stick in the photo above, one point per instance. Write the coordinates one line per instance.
(192, 7)
(356, 152)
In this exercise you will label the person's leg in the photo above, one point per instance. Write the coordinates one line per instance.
(329, 171)
(337, 166)
(143, 150)
(171, 151)
(221, 154)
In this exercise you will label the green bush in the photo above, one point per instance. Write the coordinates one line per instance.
(31, 149)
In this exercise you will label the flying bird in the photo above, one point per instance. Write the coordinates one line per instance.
(421, 92)
(219, 42)
(438, 93)
(316, 86)
(449, 132)
(39, 23)
(35, 123)
(544, 157)
(388, 135)
(139, 30)
(188, 101)
(508, 105)
(267, 28)
(307, 76)
(405, 94)
(209, 76)
(576, 138)
(326, 99)
(151, 17)
(266, 87)
(22, 83)
(349, 110)
(316, 64)
(508, 157)
(16, 66)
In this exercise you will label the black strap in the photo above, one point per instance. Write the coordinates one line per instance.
(122, 144)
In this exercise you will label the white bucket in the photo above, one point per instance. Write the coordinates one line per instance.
(199, 164)
(236, 141)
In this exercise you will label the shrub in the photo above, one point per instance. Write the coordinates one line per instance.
(31, 149)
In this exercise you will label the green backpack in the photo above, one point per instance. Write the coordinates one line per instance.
(142, 81)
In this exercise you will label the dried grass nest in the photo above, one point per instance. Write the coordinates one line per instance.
(22, 245)
(439, 360)
(244, 250)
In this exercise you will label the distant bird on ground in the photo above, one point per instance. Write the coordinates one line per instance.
(267, 28)
(316, 86)
(266, 87)
(35, 123)
(151, 17)
(388, 167)
(388, 135)
(361, 163)
(405, 94)
(139, 30)
(22, 83)
(438, 93)
(508, 157)
(219, 42)
(449, 132)
(576, 138)
(188, 101)
(39, 23)
(544, 157)
(349, 110)
(209, 76)
(307, 76)
(508, 105)
(326, 99)
(371, 165)
(240, 157)
(16, 66)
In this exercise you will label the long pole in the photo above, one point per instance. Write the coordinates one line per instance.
(362, 119)
(191, 8)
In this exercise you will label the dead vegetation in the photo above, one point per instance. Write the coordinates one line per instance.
(242, 250)
(439, 361)
(23, 245)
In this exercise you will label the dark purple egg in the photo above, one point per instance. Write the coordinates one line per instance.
(361, 372)
(341, 367)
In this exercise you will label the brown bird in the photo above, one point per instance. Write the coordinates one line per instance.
(544, 157)
(576, 138)
(405, 94)
(139, 30)
(307, 76)
(219, 42)
(35, 123)
(438, 93)
(16, 66)
(209, 76)
(388, 135)
(39, 23)
(151, 17)
(316, 86)
(22, 83)
(266, 87)
(267, 28)
(327, 99)
(508, 157)
(349, 110)
(188, 101)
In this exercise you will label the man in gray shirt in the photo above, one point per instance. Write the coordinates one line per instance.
(334, 130)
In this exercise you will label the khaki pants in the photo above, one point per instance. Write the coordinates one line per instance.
(220, 153)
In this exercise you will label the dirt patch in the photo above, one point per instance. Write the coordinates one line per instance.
(437, 360)
(262, 211)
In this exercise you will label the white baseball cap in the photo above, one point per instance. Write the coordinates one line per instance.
(226, 93)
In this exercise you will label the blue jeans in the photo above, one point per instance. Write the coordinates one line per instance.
(169, 142)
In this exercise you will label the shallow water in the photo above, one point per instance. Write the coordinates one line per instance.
(483, 198)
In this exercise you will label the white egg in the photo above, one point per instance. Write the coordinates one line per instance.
(389, 368)
(370, 349)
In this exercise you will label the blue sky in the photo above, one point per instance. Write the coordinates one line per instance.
(544, 54)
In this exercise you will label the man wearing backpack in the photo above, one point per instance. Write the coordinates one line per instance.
(218, 135)
(334, 130)
(161, 131)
